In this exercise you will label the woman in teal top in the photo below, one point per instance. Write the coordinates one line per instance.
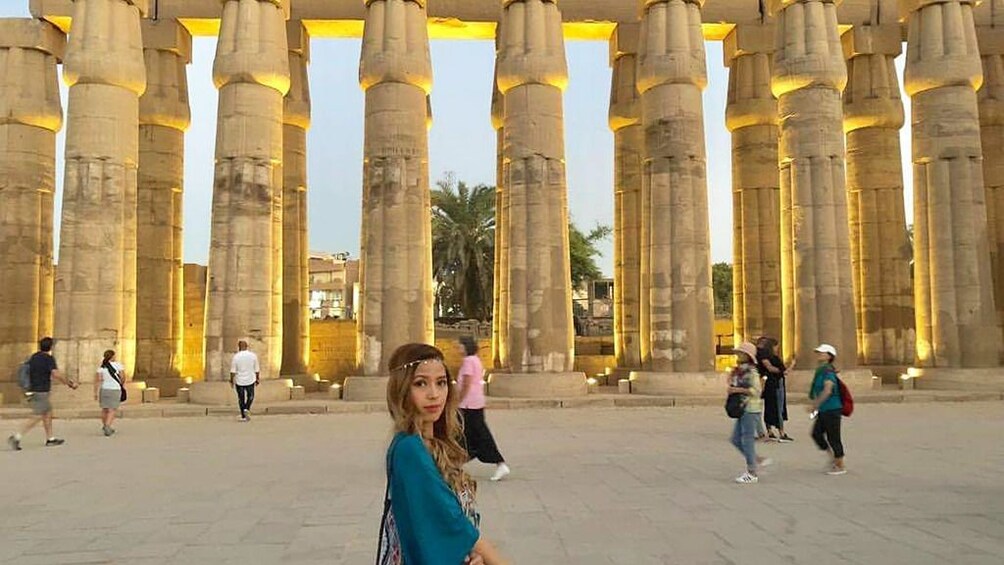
(430, 516)
(827, 407)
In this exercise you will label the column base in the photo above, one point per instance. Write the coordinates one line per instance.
(168, 385)
(654, 383)
(365, 389)
(220, 393)
(615, 374)
(537, 385)
(306, 380)
(948, 378)
(857, 379)
(62, 396)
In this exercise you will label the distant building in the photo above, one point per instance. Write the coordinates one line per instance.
(593, 308)
(334, 286)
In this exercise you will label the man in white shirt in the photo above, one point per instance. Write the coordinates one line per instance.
(244, 375)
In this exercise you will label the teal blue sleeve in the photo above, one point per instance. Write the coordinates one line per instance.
(430, 521)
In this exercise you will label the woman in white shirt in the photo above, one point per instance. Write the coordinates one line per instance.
(108, 390)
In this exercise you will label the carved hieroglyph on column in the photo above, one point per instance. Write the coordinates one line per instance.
(164, 116)
(956, 317)
(808, 76)
(532, 74)
(629, 144)
(95, 288)
(30, 116)
(671, 75)
(396, 260)
(500, 293)
(751, 116)
(880, 248)
(244, 294)
(991, 105)
(296, 255)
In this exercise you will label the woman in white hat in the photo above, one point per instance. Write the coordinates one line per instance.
(745, 379)
(826, 406)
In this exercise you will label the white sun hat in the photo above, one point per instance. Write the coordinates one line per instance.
(827, 348)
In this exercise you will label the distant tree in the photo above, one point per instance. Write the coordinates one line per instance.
(463, 247)
(583, 252)
(721, 282)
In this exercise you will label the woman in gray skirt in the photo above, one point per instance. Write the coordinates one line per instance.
(108, 390)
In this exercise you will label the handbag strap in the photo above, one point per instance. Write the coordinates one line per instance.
(111, 371)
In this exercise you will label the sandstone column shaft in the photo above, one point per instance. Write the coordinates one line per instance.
(880, 249)
(295, 250)
(991, 107)
(671, 75)
(396, 263)
(30, 115)
(95, 287)
(532, 74)
(500, 292)
(956, 317)
(244, 294)
(164, 116)
(808, 76)
(629, 145)
(751, 116)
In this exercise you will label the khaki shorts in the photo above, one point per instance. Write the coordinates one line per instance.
(39, 402)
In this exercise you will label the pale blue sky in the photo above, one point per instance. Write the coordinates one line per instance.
(461, 140)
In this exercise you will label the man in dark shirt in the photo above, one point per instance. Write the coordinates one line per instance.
(42, 369)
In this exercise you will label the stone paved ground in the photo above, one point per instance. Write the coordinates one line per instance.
(590, 486)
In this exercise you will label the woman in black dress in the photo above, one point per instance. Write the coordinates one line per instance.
(775, 401)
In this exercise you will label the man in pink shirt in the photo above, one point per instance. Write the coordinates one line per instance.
(480, 443)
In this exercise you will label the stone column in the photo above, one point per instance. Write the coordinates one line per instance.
(751, 116)
(671, 77)
(880, 248)
(808, 76)
(956, 317)
(95, 287)
(629, 144)
(991, 107)
(30, 115)
(500, 293)
(538, 353)
(164, 116)
(295, 250)
(396, 262)
(244, 294)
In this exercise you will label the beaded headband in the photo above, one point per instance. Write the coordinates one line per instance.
(416, 363)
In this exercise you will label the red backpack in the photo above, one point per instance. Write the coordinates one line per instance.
(846, 400)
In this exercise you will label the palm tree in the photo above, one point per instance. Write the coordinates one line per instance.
(463, 247)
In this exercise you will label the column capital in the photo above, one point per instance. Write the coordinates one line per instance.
(252, 46)
(29, 33)
(907, 7)
(536, 57)
(747, 40)
(167, 35)
(298, 38)
(507, 3)
(296, 104)
(872, 40)
(671, 49)
(942, 47)
(624, 41)
(775, 7)
(421, 3)
(283, 5)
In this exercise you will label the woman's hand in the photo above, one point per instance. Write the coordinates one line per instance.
(474, 559)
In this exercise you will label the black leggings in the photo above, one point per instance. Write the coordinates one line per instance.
(245, 398)
(826, 432)
(480, 443)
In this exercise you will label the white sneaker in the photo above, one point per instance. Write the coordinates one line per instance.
(501, 472)
(837, 471)
(747, 479)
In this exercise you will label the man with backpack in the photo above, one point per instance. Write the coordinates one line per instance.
(41, 370)
(827, 408)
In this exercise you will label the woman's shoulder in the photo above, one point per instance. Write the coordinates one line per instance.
(406, 446)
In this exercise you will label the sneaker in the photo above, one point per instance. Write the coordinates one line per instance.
(54, 442)
(785, 439)
(747, 479)
(771, 437)
(14, 443)
(836, 471)
(501, 472)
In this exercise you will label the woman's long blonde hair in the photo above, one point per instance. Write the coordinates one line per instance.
(448, 432)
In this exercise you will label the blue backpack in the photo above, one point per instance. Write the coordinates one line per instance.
(24, 376)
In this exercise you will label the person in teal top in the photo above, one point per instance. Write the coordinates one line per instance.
(826, 408)
(430, 515)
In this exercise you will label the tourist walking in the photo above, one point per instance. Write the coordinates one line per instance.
(42, 369)
(479, 440)
(109, 390)
(775, 395)
(745, 380)
(826, 408)
(430, 514)
(245, 374)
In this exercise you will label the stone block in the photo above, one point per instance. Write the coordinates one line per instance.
(986, 379)
(297, 393)
(537, 385)
(624, 386)
(746, 40)
(183, 395)
(365, 389)
(592, 386)
(220, 393)
(167, 35)
(872, 40)
(151, 394)
(677, 384)
(322, 385)
(32, 34)
(334, 392)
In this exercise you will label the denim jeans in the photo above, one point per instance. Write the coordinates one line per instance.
(744, 437)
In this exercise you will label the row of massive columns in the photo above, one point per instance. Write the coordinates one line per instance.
(821, 246)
